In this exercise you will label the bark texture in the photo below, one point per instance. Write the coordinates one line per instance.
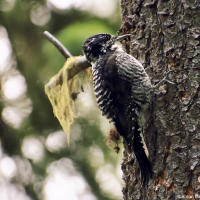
(166, 36)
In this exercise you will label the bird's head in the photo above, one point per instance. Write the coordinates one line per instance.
(100, 44)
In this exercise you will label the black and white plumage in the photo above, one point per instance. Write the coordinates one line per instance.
(122, 89)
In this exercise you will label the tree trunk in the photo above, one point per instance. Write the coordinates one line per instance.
(166, 36)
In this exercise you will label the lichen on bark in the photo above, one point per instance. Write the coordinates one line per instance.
(63, 88)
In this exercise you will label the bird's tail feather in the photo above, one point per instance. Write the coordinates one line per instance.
(144, 163)
(139, 151)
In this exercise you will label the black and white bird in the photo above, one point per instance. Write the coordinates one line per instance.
(122, 89)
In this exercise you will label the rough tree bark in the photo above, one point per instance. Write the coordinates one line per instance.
(166, 36)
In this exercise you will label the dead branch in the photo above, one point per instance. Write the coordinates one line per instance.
(80, 64)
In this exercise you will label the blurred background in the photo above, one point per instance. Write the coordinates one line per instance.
(35, 161)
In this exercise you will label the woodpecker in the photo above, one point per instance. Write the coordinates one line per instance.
(122, 89)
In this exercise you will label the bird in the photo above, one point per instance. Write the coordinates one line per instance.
(123, 93)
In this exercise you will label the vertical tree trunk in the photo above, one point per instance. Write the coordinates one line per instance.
(166, 36)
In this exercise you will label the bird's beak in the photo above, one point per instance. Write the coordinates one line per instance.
(119, 38)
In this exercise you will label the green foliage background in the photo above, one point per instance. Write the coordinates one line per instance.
(37, 60)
